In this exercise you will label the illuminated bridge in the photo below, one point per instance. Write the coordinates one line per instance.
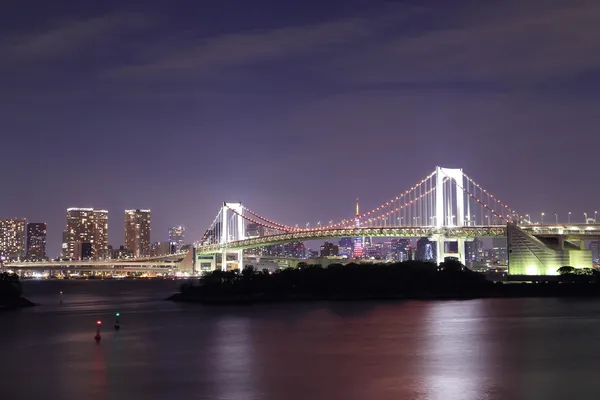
(445, 206)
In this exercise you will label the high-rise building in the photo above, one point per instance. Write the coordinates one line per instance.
(474, 250)
(329, 249)
(36, 241)
(499, 250)
(137, 232)
(12, 239)
(160, 249)
(399, 248)
(100, 246)
(86, 235)
(176, 238)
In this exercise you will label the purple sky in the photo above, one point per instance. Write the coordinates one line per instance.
(295, 110)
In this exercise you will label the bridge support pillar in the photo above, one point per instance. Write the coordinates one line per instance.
(439, 248)
(461, 251)
(240, 257)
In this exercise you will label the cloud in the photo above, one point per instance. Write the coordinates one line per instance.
(252, 47)
(68, 37)
(509, 44)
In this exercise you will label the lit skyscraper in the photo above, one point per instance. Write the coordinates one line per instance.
(137, 232)
(100, 246)
(86, 235)
(36, 241)
(357, 248)
(176, 238)
(12, 239)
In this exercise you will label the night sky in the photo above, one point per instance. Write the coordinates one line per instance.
(295, 110)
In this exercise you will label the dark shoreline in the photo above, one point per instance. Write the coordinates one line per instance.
(499, 291)
(409, 280)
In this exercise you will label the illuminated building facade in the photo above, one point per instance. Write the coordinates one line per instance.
(12, 239)
(532, 255)
(100, 246)
(137, 232)
(176, 238)
(36, 241)
(86, 234)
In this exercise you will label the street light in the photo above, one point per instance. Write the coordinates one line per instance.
(528, 218)
(595, 216)
(542, 219)
(556, 215)
(569, 218)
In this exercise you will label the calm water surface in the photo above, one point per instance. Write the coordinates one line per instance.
(480, 349)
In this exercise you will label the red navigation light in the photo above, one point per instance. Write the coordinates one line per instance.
(98, 322)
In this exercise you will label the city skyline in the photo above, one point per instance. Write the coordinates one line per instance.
(269, 97)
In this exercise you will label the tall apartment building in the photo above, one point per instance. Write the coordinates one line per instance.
(12, 239)
(176, 238)
(137, 232)
(86, 235)
(36, 241)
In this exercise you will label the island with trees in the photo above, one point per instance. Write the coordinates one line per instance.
(11, 291)
(406, 280)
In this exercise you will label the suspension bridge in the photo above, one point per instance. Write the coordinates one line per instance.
(447, 206)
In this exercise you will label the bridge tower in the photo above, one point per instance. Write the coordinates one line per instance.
(450, 207)
(233, 228)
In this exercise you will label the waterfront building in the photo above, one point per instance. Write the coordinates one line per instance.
(137, 232)
(36, 241)
(160, 249)
(537, 255)
(86, 234)
(176, 238)
(12, 239)
(100, 246)
(120, 253)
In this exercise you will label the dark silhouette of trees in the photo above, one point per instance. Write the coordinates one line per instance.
(410, 279)
(566, 270)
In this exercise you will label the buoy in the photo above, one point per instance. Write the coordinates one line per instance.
(117, 326)
(98, 337)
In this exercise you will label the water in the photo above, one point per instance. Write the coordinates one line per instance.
(505, 349)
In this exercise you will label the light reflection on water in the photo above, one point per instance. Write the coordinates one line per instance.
(463, 350)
